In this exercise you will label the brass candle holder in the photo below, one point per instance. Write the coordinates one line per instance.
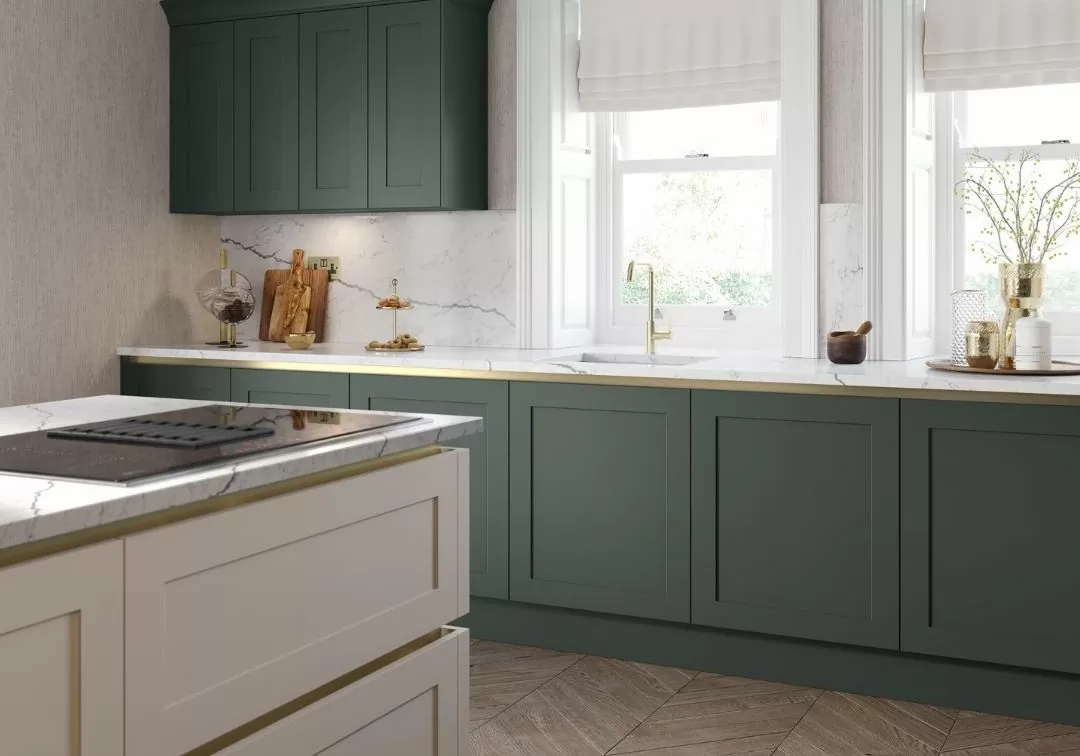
(983, 344)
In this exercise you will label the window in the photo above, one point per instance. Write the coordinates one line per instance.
(1003, 124)
(694, 195)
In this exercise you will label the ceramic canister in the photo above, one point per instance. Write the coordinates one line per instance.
(1033, 344)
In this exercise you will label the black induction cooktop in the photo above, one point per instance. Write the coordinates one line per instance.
(132, 449)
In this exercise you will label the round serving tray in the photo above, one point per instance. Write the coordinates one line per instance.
(414, 348)
(1057, 368)
(395, 309)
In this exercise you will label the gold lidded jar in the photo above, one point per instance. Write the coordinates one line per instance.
(983, 342)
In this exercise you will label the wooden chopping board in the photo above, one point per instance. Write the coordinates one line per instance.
(318, 280)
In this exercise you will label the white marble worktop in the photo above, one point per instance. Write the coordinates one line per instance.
(32, 509)
(723, 368)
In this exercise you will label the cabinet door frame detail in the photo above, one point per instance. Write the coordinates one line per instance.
(882, 629)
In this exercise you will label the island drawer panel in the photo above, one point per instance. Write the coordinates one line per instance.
(234, 614)
(418, 705)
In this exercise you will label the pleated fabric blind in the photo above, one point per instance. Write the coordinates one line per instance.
(665, 54)
(988, 44)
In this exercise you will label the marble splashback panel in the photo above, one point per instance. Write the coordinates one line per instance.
(843, 268)
(457, 268)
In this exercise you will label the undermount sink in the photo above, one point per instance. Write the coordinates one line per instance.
(631, 358)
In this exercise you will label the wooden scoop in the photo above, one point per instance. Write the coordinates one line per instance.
(862, 330)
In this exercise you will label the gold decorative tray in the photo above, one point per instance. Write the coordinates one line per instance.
(380, 350)
(1057, 368)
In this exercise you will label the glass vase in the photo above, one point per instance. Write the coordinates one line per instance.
(1022, 291)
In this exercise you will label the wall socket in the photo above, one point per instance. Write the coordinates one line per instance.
(330, 264)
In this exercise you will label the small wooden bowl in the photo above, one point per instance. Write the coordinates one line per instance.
(300, 340)
(846, 348)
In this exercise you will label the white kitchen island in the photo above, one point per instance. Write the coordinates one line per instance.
(274, 606)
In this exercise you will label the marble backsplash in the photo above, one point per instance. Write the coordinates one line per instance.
(842, 302)
(457, 268)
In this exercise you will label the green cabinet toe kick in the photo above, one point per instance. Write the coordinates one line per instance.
(941, 529)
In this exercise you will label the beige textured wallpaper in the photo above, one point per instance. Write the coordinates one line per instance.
(502, 105)
(91, 256)
(841, 101)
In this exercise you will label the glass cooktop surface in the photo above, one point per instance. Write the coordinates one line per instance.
(122, 452)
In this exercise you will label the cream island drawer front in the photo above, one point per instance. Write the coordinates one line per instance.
(417, 706)
(231, 615)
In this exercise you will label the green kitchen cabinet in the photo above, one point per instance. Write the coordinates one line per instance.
(208, 384)
(329, 107)
(600, 498)
(201, 128)
(488, 458)
(299, 389)
(267, 114)
(990, 523)
(796, 516)
(333, 110)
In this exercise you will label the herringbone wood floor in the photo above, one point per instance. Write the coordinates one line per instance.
(533, 702)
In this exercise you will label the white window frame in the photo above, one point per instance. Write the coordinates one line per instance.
(952, 244)
(754, 328)
(546, 161)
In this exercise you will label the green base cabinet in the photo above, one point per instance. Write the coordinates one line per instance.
(488, 460)
(796, 516)
(600, 499)
(329, 390)
(204, 384)
(990, 531)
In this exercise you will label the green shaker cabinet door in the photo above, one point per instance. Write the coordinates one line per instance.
(990, 524)
(267, 115)
(796, 516)
(600, 499)
(488, 458)
(333, 110)
(175, 381)
(298, 389)
(201, 107)
(405, 106)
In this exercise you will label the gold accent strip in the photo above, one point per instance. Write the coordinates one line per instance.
(78, 539)
(989, 397)
(247, 730)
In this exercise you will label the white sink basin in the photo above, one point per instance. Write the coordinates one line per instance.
(631, 358)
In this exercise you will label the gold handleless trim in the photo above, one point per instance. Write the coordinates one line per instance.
(285, 710)
(122, 528)
(703, 384)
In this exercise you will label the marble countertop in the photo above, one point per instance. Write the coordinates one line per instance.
(721, 368)
(33, 509)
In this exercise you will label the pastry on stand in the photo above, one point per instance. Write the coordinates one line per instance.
(400, 342)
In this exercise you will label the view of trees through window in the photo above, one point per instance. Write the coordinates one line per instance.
(707, 230)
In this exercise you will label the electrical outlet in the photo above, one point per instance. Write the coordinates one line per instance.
(330, 264)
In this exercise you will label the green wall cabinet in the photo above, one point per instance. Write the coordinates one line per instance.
(267, 112)
(796, 516)
(205, 384)
(330, 390)
(990, 527)
(488, 458)
(362, 107)
(201, 129)
(333, 110)
(600, 499)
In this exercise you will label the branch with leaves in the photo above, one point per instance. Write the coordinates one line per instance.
(1030, 222)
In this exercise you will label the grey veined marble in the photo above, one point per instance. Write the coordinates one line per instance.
(32, 509)
(458, 269)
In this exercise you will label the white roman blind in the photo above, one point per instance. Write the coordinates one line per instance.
(664, 54)
(987, 44)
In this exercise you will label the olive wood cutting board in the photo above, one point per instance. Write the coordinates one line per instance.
(318, 280)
